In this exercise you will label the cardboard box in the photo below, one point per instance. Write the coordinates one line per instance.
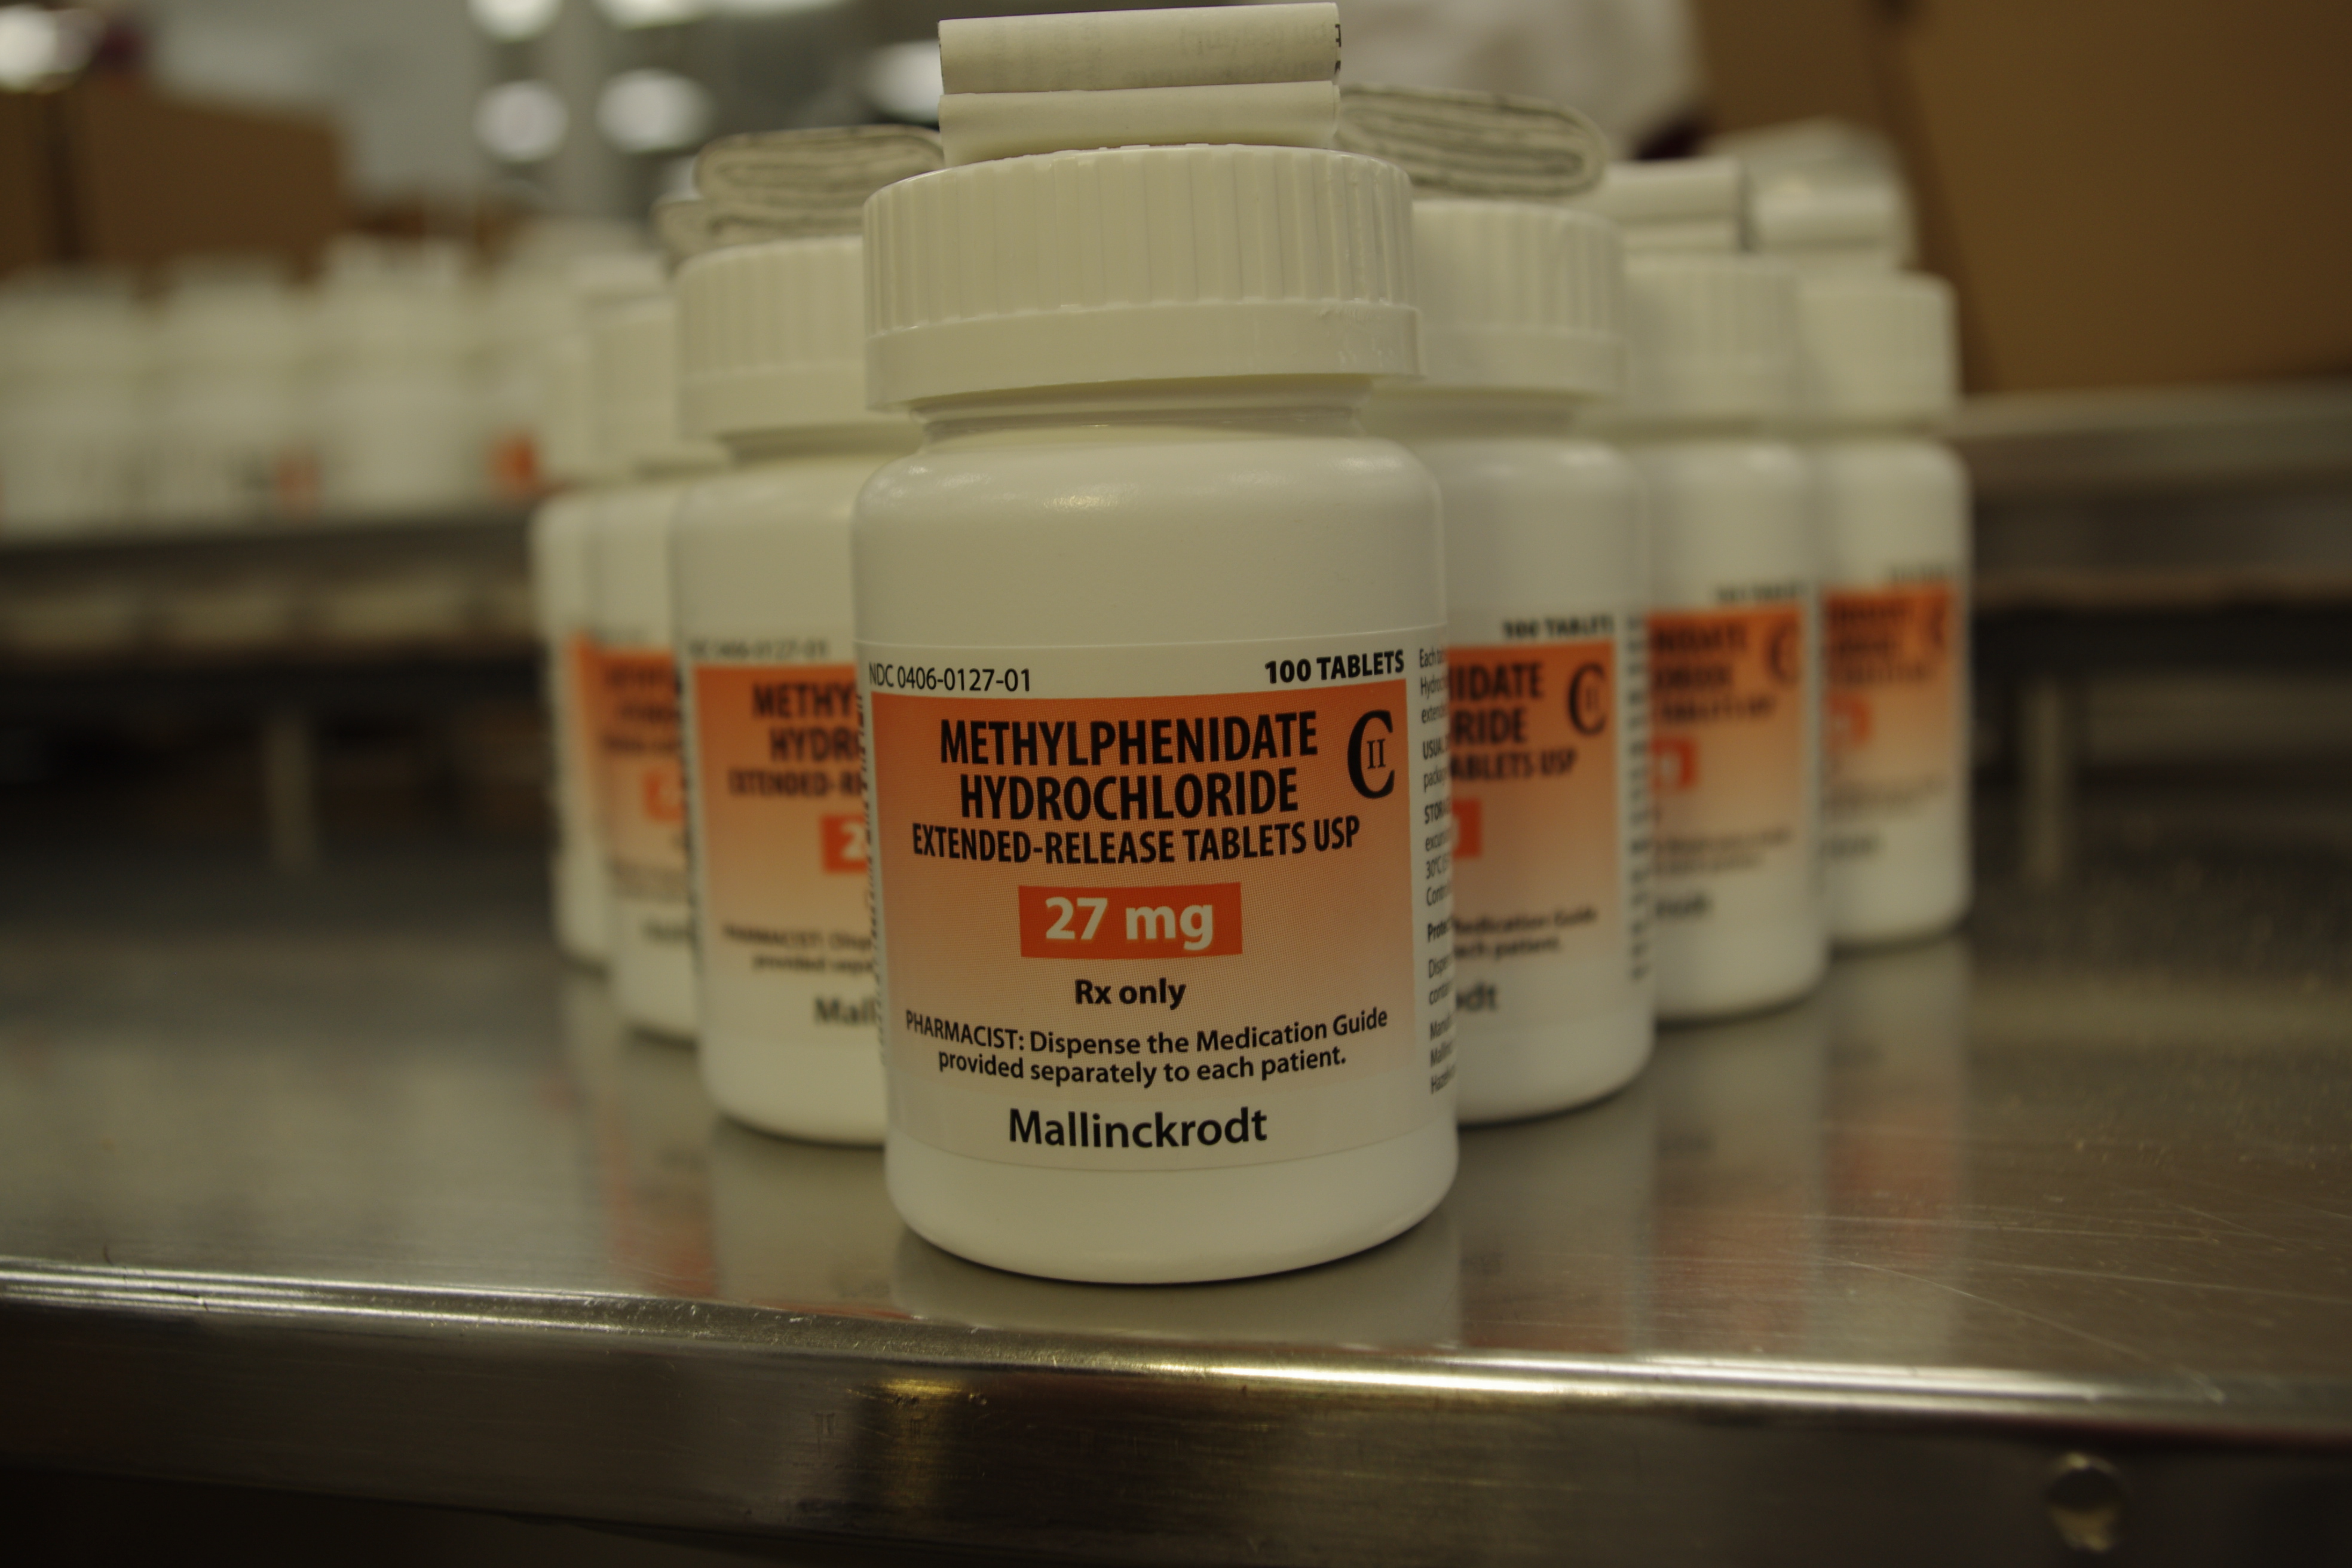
(147, 178)
(29, 232)
(2125, 193)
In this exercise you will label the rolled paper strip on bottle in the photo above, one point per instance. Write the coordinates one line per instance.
(1684, 205)
(978, 127)
(799, 185)
(1208, 46)
(1474, 144)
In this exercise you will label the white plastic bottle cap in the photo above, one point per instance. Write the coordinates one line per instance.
(384, 305)
(1875, 347)
(572, 447)
(1851, 223)
(607, 277)
(1138, 264)
(1679, 204)
(236, 320)
(772, 337)
(1519, 297)
(569, 449)
(74, 331)
(632, 367)
(1709, 337)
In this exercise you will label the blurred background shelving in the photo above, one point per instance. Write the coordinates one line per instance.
(277, 280)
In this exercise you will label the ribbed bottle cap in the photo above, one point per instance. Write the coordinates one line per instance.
(772, 337)
(1679, 204)
(632, 365)
(1138, 264)
(65, 335)
(256, 325)
(1851, 223)
(1709, 337)
(1518, 297)
(1874, 346)
(571, 434)
(607, 277)
(568, 448)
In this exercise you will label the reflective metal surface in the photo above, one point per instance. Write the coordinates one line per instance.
(350, 1187)
(2157, 440)
(2199, 499)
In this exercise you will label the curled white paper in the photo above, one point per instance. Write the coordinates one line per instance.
(975, 127)
(1207, 45)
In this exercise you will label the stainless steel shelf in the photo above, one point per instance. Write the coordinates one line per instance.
(2157, 440)
(337, 611)
(2189, 499)
(324, 540)
(349, 1185)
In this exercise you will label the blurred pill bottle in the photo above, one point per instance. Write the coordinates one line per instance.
(1740, 911)
(234, 439)
(1547, 582)
(1876, 352)
(584, 465)
(76, 349)
(772, 366)
(632, 368)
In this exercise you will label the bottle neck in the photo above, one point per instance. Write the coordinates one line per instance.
(1241, 407)
(1895, 427)
(1643, 431)
(671, 470)
(1423, 414)
(883, 438)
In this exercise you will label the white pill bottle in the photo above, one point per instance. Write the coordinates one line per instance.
(560, 530)
(1548, 582)
(74, 358)
(632, 368)
(1878, 372)
(1740, 909)
(773, 363)
(1151, 637)
(234, 429)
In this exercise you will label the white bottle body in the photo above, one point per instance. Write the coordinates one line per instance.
(1548, 582)
(1895, 533)
(561, 577)
(642, 794)
(760, 562)
(400, 438)
(1166, 553)
(72, 455)
(1740, 911)
(236, 448)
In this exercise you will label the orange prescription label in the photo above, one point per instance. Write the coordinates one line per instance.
(1541, 815)
(1894, 698)
(1730, 752)
(576, 728)
(1155, 908)
(635, 694)
(786, 937)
